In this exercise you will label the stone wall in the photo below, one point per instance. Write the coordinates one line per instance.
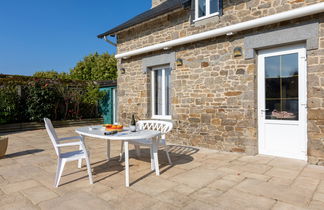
(214, 98)
(315, 97)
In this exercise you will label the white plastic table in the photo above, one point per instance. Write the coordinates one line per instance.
(125, 136)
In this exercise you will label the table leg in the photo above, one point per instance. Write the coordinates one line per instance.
(126, 164)
(80, 148)
(155, 155)
(152, 158)
(108, 150)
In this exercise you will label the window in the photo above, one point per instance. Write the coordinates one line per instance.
(161, 95)
(206, 8)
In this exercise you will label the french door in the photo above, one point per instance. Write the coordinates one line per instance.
(282, 109)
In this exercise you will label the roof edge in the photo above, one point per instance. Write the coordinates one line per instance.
(165, 7)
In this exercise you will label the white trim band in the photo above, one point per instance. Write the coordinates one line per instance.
(271, 19)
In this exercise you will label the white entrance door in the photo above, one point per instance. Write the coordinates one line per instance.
(282, 113)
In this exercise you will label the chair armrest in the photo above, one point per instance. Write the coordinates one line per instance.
(70, 138)
(70, 144)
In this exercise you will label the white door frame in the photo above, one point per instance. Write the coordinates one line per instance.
(115, 107)
(302, 94)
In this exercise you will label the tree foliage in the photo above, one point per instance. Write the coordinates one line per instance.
(92, 67)
(52, 74)
(96, 67)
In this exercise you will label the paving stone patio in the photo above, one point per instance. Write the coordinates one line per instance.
(199, 179)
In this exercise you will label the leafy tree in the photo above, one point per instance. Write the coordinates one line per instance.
(96, 67)
(92, 67)
(92, 94)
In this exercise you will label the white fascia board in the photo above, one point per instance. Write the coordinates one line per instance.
(271, 19)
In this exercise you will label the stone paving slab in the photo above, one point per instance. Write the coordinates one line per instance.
(199, 179)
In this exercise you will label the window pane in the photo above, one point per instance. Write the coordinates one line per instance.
(282, 109)
(272, 67)
(272, 88)
(213, 6)
(201, 8)
(289, 87)
(289, 65)
(272, 106)
(158, 92)
(281, 80)
(168, 91)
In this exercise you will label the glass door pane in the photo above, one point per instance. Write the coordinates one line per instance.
(281, 91)
(158, 92)
(168, 91)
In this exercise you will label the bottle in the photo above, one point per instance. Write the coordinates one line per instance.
(133, 124)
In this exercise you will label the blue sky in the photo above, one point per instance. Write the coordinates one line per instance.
(37, 35)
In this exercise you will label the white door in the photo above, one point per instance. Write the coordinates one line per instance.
(282, 114)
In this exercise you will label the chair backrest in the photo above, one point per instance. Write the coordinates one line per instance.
(157, 125)
(52, 134)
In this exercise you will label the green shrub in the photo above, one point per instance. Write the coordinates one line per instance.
(10, 109)
(56, 99)
(41, 99)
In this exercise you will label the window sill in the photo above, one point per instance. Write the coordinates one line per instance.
(162, 117)
(206, 17)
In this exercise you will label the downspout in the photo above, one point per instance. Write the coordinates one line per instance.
(271, 19)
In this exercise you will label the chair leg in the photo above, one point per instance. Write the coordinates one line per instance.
(138, 150)
(59, 171)
(58, 167)
(167, 154)
(121, 151)
(89, 170)
(80, 163)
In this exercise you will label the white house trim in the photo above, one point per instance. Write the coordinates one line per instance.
(271, 19)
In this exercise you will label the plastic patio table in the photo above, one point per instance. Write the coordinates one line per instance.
(126, 135)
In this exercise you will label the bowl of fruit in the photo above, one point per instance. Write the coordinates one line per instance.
(110, 127)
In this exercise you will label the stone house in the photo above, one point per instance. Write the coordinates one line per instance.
(233, 75)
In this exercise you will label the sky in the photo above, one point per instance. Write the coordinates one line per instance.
(41, 35)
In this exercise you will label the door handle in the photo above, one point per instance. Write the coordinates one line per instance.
(264, 110)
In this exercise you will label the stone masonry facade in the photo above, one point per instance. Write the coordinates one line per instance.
(214, 94)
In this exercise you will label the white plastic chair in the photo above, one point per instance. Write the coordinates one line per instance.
(68, 156)
(163, 126)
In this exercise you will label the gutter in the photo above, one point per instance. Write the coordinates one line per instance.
(229, 30)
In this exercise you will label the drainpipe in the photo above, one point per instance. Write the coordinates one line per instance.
(271, 19)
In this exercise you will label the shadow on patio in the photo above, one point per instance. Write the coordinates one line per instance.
(22, 153)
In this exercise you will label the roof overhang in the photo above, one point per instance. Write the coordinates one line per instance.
(162, 9)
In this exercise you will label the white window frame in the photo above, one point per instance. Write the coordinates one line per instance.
(207, 11)
(163, 116)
